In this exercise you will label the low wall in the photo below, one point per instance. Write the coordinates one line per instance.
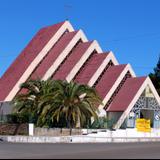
(55, 132)
(89, 136)
(127, 133)
(96, 132)
(92, 136)
(14, 129)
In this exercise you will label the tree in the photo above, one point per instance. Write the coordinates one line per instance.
(58, 102)
(73, 102)
(29, 101)
(155, 77)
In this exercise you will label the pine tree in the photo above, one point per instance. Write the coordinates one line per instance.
(157, 69)
(155, 77)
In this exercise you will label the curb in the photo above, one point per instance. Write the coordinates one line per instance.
(77, 139)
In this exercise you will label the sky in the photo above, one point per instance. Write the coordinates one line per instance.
(128, 28)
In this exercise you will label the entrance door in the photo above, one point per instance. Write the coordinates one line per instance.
(148, 114)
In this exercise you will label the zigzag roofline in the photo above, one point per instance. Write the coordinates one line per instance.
(60, 52)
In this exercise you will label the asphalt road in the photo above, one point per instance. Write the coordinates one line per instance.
(80, 151)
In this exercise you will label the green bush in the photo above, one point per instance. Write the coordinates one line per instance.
(16, 118)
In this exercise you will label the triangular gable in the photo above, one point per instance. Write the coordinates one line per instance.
(113, 83)
(147, 82)
(94, 68)
(30, 58)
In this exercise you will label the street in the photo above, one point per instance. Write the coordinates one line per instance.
(80, 151)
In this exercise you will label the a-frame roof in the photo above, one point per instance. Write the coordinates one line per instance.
(30, 57)
(126, 94)
(71, 61)
(129, 95)
(52, 55)
(60, 52)
(108, 79)
(88, 71)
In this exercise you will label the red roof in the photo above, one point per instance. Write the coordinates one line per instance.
(104, 83)
(19, 66)
(108, 79)
(71, 61)
(90, 68)
(53, 55)
(126, 94)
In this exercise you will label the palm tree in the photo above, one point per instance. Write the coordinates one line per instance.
(29, 101)
(74, 102)
(56, 101)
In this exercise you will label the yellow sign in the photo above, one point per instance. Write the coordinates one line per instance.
(143, 125)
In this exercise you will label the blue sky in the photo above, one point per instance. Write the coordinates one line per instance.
(129, 28)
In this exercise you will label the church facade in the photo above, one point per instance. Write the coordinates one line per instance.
(63, 53)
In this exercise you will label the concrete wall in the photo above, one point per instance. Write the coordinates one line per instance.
(56, 132)
(125, 133)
